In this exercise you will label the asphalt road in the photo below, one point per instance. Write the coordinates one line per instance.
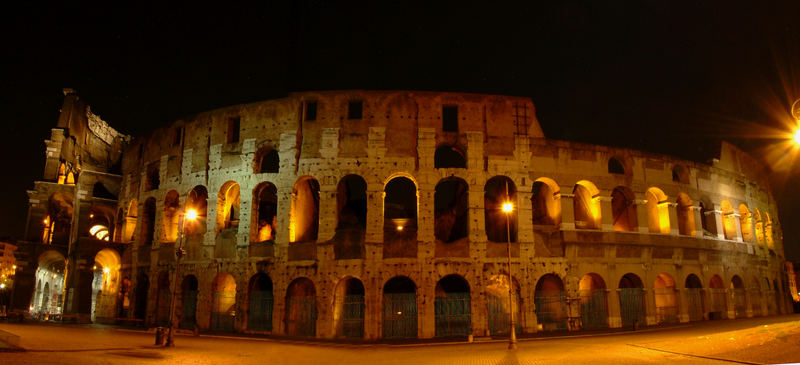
(73, 344)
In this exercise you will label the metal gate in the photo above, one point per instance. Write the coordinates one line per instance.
(259, 314)
(452, 315)
(718, 303)
(694, 299)
(498, 315)
(223, 321)
(631, 306)
(551, 310)
(739, 303)
(400, 315)
(302, 316)
(666, 313)
(594, 309)
(353, 316)
(188, 319)
(162, 312)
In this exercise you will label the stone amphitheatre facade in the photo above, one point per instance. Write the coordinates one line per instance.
(376, 215)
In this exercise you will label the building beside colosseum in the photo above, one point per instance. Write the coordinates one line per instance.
(376, 215)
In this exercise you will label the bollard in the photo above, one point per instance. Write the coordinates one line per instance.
(160, 336)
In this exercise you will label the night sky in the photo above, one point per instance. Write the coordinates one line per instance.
(661, 76)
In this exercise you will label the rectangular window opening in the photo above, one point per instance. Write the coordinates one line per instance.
(355, 110)
(233, 129)
(176, 137)
(311, 111)
(450, 118)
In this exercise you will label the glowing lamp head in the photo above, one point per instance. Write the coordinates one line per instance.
(399, 228)
(191, 214)
(508, 207)
(797, 136)
(106, 270)
(2, 286)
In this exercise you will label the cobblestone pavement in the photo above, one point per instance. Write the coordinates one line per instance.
(73, 344)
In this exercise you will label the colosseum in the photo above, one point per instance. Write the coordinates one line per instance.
(378, 215)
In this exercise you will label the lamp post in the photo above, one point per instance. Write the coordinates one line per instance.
(508, 207)
(191, 215)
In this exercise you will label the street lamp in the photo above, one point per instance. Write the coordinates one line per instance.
(191, 215)
(795, 111)
(508, 208)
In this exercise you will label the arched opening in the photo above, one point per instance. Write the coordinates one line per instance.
(140, 295)
(267, 161)
(680, 174)
(500, 226)
(759, 228)
(746, 222)
(304, 213)
(498, 305)
(684, 210)
(260, 303)
(448, 157)
(130, 221)
(153, 177)
(172, 208)
(768, 232)
(451, 209)
(399, 308)
(100, 219)
(351, 225)
(198, 201)
(728, 220)
(586, 204)
(739, 297)
(694, 297)
(105, 285)
(400, 218)
(58, 222)
(623, 208)
(615, 166)
(550, 301)
(264, 213)
(348, 308)
(709, 219)
(301, 308)
(452, 307)
(148, 222)
(228, 203)
(163, 295)
(657, 211)
(631, 301)
(351, 202)
(49, 274)
(223, 306)
(546, 202)
(666, 299)
(719, 305)
(189, 291)
(594, 301)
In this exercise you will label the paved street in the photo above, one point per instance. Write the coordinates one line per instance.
(704, 343)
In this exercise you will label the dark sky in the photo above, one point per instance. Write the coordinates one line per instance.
(661, 76)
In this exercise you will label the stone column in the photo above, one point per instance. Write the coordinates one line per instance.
(614, 313)
(375, 199)
(730, 303)
(425, 213)
(606, 213)
(641, 216)
(683, 301)
(650, 306)
(673, 218)
(737, 221)
(698, 221)
(717, 214)
(524, 217)
(477, 219)
(327, 209)
(567, 211)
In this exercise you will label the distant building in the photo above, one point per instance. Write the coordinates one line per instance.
(377, 215)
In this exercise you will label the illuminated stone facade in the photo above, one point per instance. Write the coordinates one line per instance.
(376, 215)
